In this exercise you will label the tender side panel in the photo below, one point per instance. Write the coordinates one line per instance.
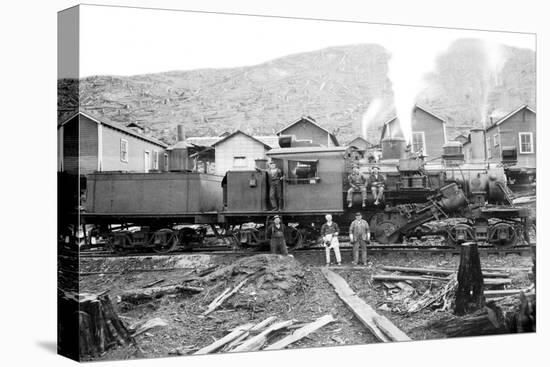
(246, 191)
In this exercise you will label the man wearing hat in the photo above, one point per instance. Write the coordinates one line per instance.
(276, 234)
(357, 182)
(359, 236)
(376, 182)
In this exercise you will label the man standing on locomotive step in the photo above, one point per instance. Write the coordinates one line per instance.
(357, 182)
(276, 234)
(275, 177)
(377, 183)
(359, 236)
(329, 231)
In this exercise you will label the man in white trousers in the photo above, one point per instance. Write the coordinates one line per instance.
(329, 232)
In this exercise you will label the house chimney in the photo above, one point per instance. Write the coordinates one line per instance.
(181, 132)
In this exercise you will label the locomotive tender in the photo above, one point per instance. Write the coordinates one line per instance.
(237, 207)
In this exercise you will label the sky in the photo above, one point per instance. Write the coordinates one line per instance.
(130, 41)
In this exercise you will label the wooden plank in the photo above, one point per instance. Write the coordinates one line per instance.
(419, 270)
(497, 281)
(398, 278)
(301, 333)
(222, 297)
(360, 308)
(502, 293)
(255, 343)
(390, 329)
(237, 332)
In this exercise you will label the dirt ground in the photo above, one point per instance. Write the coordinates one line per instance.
(299, 291)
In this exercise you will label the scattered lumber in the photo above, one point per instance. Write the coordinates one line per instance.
(263, 324)
(257, 342)
(236, 333)
(469, 293)
(222, 297)
(255, 329)
(361, 309)
(140, 295)
(148, 285)
(502, 293)
(100, 327)
(301, 333)
(497, 281)
(398, 278)
(442, 298)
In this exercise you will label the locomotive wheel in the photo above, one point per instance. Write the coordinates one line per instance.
(503, 235)
(459, 234)
(295, 238)
(384, 232)
(168, 241)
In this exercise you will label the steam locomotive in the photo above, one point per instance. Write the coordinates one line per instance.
(164, 210)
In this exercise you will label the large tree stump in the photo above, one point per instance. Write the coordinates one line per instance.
(469, 292)
(100, 326)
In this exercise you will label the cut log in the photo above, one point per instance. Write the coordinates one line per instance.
(147, 294)
(222, 297)
(301, 333)
(257, 342)
(360, 309)
(469, 293)
(236, 333)
(100, 326)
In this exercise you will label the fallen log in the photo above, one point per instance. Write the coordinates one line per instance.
(487, 274)
(222, 297)
(140, 295)
(301, 333)
(257, 342)
(398, 278)
(360, 309)
(236, 333)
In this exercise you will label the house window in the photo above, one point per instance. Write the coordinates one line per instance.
(124, 150)
(239, 162)
(488, 146)
(165, 161)
(526, 143)
(302, 172)
(496, 140)
(155, 159)
(419, 142)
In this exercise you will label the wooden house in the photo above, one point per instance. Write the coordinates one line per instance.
(305, 128)
(428, 132)
(87, 144)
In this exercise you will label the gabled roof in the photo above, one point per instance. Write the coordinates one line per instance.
(208, 141)
(311, 120)
(501, 120)
(359, 138)
(227, 137)
(114, 126)
(415, 107)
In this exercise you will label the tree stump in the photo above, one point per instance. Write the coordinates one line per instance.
(469, 292)
(100, 327)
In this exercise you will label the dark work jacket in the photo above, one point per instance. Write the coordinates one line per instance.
(274, 232)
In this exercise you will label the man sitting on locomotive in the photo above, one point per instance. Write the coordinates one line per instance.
(377, 183)
(275, 176)
(357, 182)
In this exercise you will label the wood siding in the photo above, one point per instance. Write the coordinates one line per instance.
(238, 145)
(524, 121)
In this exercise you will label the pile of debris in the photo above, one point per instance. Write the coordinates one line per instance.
(253, 282)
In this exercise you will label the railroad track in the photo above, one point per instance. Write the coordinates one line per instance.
(380, 249)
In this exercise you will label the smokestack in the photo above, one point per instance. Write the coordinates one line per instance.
(477, 144)
(181, 132)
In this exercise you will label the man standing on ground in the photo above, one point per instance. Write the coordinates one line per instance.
(276, 234)
(329, 231)
(357, 182)
(359, 236)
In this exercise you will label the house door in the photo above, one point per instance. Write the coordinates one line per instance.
(146, 161)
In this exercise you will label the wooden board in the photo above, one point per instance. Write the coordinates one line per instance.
(362, 310)
(301, 333)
